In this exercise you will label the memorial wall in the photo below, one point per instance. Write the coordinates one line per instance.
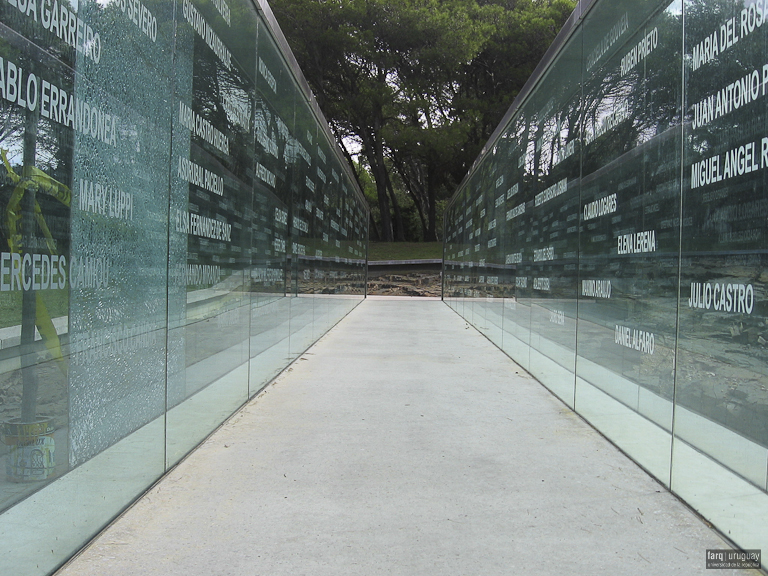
(177, 227)
(612, 240)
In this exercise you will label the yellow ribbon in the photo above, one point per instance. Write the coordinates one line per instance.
(39, 181)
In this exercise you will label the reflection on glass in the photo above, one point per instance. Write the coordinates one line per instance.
(629, 242)
(633, 243)
(722, 377)
(176, 226)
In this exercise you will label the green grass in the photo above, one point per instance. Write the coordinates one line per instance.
(56, 301)
(405, 250)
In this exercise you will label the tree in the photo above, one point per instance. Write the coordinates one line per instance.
(419, 84)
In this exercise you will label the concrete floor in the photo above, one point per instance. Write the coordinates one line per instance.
(404, 443)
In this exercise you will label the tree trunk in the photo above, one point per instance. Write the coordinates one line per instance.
(398, 222)
(374, 151)
(431, 235)
(374, 235)
(28, 298)
(350, 161)
(415, 189)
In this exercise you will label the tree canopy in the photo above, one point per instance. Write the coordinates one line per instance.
(419, 85)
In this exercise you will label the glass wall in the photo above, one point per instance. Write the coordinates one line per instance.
(177, 226)
(622, 257)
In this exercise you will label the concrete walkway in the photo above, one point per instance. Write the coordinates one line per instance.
(404, 443)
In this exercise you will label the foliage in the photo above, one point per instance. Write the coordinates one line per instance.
(418, 85)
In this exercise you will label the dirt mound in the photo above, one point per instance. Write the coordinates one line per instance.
(415, 284)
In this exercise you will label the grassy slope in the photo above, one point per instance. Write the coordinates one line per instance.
(56, 301)
(405, 250)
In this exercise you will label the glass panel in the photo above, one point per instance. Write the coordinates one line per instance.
(512, 202)
(722, 376)
(34, 377)
(319, 242)
(486, 303)
(303, 269)
(629, 238)
(211, 214)
(551, 186)
(82, 279)
(270, 310)
(275, 157)
(149, 173)
(663, 273)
